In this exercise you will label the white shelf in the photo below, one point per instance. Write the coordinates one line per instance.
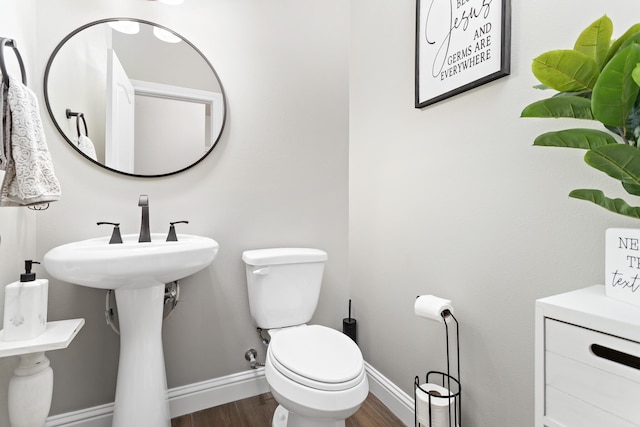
(57, 336)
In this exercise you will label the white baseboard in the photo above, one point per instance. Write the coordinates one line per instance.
(182, 400)
(396, 400)
(207, 394)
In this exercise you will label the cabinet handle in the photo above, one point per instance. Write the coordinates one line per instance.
(616, 356)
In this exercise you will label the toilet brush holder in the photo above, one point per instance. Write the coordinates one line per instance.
(350, 326)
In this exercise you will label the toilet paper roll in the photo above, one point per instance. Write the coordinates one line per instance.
(442, 407)
(432, 307)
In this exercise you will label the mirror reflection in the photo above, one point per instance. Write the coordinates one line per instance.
(134, 97)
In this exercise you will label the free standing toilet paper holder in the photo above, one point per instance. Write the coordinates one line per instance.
(450, 402)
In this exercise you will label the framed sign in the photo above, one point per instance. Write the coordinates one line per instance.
(460, 45)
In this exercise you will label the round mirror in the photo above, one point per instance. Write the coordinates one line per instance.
(134, 97)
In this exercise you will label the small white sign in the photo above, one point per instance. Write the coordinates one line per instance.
(622, 266)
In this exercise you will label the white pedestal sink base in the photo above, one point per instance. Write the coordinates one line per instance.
(141, 388)
(138, 273)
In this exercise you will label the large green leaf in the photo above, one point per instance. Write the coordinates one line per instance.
(615, 92)
(575, 138)
(636, 74)
(630, 132)
(618, 206)
(619, 161)
(575, 107)
(632, 125)
(631, 188)
(594, 41)
(635, 38)
(616, 45)
(581, 94)
(566, 70)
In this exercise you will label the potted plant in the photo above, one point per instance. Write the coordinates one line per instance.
(597, 80)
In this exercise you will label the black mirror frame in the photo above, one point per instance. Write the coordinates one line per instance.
(141, 21)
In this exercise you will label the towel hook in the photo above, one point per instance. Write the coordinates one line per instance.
(3, 68)
(39, 207)
(78, 116)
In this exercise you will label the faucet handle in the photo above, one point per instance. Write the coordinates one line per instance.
(172, 237)
(115, 235)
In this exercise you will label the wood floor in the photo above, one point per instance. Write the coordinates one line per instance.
(257, 411)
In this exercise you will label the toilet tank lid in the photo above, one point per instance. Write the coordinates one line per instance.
(275, 256)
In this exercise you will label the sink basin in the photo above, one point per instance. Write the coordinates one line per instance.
(97, 264)
(138, 273)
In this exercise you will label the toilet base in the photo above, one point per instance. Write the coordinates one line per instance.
(284, 418)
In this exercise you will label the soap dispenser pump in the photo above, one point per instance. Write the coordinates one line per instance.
(28, 276)
(25, 306)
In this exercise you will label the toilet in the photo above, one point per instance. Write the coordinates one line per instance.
(315, 373)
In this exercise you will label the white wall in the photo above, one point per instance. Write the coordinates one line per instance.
(77, 81)
(453, 200)
(17, 225)
(277, 177)
(450, 199)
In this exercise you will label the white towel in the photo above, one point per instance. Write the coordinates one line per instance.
(29, 178)
(85, 145)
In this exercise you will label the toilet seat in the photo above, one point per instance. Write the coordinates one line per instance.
(317, 356)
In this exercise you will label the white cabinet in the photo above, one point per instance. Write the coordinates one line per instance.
(587, 361)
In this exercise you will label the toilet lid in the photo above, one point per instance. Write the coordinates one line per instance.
(317, 356)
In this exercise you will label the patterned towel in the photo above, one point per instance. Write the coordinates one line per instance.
(5, 143)
(29, 177)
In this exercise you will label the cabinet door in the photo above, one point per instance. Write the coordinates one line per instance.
(586, 386)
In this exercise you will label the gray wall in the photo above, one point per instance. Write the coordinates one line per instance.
(450, 200)
(278, 177)
(17, 225)
(453, 200)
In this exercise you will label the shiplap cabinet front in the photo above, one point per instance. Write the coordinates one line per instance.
(587, 361)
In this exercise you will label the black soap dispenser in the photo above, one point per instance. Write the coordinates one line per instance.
(28, 276)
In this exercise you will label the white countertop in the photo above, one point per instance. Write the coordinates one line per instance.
(591, 308)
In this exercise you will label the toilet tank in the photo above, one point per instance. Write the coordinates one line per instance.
(283, 285)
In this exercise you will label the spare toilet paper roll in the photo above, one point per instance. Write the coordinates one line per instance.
(441, 407)
(432, 307)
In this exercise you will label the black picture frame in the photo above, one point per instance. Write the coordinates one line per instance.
(459, 45)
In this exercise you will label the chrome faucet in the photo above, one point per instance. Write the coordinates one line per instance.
(145, 235)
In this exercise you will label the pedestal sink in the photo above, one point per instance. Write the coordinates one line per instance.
(138, 273)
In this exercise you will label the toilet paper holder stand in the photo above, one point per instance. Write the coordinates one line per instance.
(444, 379)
